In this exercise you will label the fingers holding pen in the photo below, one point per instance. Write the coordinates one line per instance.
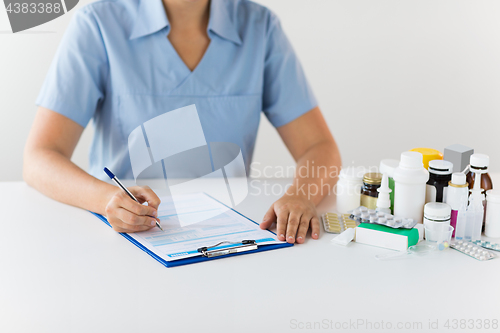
(123, 221)
(127, 215)
(135, 207)
(146, 194)
(132, 220)
(124, 210)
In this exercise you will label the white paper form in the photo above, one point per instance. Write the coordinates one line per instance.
(177, 242)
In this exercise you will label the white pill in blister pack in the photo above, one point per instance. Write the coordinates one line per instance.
(365, 215)
(473, 250)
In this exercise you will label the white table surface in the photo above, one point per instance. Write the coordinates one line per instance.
(63, 270)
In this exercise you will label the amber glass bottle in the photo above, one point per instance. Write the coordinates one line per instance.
(369, 194)
(486, 184)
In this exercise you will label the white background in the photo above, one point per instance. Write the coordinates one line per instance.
(389, 76)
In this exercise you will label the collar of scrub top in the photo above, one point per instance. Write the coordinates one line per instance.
(151, 17)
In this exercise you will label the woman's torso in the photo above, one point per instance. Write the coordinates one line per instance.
(148, 78)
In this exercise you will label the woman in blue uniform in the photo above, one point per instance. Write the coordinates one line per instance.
(123, 62)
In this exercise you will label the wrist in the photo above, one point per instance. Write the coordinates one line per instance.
(297, 192)
(309, 192)
(107, 192)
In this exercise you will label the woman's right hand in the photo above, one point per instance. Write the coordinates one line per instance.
(126, 215)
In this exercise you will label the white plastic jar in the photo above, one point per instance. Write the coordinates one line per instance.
(492, 222)
(348, 188)
(437, 213)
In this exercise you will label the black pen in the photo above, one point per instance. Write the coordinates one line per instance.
(119, 183)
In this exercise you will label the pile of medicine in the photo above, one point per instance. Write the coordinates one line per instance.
(364, 215)
(442, 196)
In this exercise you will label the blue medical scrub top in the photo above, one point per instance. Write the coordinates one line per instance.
(115, 65)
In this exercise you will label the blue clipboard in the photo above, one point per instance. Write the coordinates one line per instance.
(200, 258)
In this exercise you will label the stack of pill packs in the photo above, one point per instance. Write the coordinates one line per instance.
(365, 215)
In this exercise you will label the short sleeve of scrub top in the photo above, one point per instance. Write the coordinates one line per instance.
(116, 66)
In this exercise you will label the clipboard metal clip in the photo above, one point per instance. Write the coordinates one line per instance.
(245, 245)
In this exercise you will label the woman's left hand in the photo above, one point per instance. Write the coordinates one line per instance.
(294, 214)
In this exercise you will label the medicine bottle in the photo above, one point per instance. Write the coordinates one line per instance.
(348, 188)
(492, 226)
(439, 176)
(479, 165)
(458, 198)
(428, 154)
(437, 213)
(410, 179)
(486, 183)
(369, 194)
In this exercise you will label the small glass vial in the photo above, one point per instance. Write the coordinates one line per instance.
(369, 194)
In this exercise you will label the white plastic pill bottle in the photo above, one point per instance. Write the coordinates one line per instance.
(492, 222)
(348, 188)
(410, 179)
(437, 213)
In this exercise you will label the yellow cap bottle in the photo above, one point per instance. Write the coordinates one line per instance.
(429, 155)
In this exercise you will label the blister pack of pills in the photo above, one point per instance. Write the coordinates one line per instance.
(472, 250)
(337, 223)
(365, 215)
(488, 245)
